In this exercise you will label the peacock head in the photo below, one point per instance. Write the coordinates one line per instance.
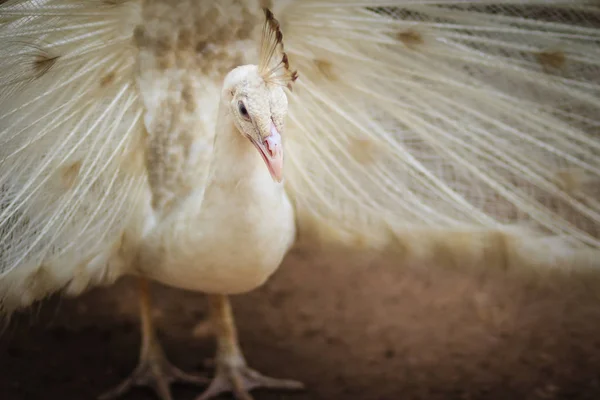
(256, 98)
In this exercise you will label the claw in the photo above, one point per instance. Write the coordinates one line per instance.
(159, 376)
(156, 373)
(240, 380)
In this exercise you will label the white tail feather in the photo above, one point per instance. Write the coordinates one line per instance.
(71, 154)
(446, 116)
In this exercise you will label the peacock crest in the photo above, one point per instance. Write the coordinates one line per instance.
(272, 50)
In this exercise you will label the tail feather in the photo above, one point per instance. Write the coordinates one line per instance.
(437, 116)
(72, 174)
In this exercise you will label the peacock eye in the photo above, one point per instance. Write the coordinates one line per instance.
(243, 110)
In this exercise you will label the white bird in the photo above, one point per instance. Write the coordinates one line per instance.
(451, 132)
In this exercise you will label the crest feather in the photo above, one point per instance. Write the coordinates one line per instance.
(271, 48)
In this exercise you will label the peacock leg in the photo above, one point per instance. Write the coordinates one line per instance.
(153, 369)
(233, 374)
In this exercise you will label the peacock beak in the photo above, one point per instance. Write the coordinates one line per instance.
(271, 150)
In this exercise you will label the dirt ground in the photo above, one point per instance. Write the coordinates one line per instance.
(350, 326)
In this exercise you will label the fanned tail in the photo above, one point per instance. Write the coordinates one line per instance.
(413, 122)
(71, 156)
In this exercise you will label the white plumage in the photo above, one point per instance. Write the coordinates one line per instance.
(452, 132)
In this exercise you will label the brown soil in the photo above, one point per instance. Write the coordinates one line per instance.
(349, 326)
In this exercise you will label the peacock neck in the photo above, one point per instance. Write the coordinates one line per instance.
(236, 163)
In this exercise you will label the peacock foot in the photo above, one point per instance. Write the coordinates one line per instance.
(156, 372)
(232, 373)
(236, 377)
